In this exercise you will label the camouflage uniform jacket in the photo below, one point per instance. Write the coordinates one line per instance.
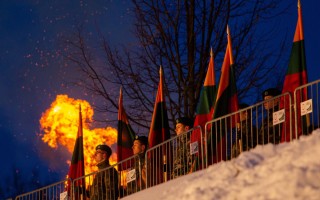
(248, 137)
(182, 160)
(140, 167)
(269, 133)
(105, 183)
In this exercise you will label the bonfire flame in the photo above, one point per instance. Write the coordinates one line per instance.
(59, 124)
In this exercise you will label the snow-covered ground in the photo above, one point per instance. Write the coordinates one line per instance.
(286, 171)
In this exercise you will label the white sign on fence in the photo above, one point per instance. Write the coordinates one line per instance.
(131, 175)
(306, 107)
(64, 195)
(194, 147)
(279, 117)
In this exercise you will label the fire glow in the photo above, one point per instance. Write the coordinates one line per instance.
(59, 125)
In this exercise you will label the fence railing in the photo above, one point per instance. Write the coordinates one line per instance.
(132, 175)
(102, 184)
(307, 109)
(174, 157)
(279, 119)
(53, 191)
(240, 131)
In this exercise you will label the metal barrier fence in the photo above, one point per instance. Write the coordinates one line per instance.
(228, 136)
(307, 109)
(53, 191)
(102, 184)
(110, 183)
(174, 157)
(132, 175)
(276, 120)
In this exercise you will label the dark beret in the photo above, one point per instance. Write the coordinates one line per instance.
(143, 140)
(185, 121)
(105, 148)
(271, 92)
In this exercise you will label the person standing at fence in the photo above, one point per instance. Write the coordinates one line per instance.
(246, 132)
(269, 133)
(139, 148)
(105, 182)
(182, 160)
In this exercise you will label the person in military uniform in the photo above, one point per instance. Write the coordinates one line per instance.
(182, 160)
(105, 182)
(246, 133)
(139, 148)
(269, 133)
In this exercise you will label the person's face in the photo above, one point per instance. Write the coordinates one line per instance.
(180, 128)
(243, 115)
(270, 104)
(100, 156)
(137, 147)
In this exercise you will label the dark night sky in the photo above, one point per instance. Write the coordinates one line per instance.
(32, 73)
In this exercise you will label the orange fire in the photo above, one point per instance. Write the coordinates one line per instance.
(59, 124)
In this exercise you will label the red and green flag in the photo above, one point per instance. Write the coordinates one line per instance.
(205, 107)
(296, 76)
(159, 129)
(227, 97)
(126, 134)
(226, 102)
(76, 169)
(159, 133)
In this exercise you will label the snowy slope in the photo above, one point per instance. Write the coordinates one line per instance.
(287, 171)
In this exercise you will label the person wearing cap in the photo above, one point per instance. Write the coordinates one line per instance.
(139, 148)
(182, 160)
(246, 132)
(269, 133)
(105, 182)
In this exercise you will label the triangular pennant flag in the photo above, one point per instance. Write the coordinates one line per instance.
(296, 76)
(125, 135)
(76, 169)
(226, 103)
(205, 109)
(159, 133)
(159, 129)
